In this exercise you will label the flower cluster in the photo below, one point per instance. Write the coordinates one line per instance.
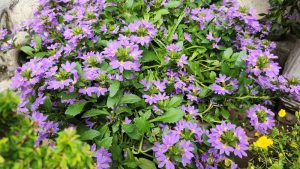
(227, 138)
(224, 85)
(94, 63)
(44, 128)
(261, 118)
(178, 143)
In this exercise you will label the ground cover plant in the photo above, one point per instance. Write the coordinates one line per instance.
(168, 84)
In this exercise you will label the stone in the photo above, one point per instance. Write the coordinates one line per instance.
(12, 15)
(4, 85)
(261, 6)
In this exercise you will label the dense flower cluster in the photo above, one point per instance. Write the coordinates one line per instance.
(179, 143)
(95, 63)
(227, 138)
(261, 118)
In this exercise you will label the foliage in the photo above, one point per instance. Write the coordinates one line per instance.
(168, 84)
(8, 104)
(17, 149)
(284, 152)
(283, 18)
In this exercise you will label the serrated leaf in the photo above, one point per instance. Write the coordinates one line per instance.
(142, 124)
(88, 134)
(132, 131)
(171, 116)
(75, 109)
(106, 142)
(95, 112)
(130, 98)
(162, 12)
(175, 101)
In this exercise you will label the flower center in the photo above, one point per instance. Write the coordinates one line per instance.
(262, 116)
(228, 138)
(123, 54)
(263, 62)
(77, 30)
(142, 32)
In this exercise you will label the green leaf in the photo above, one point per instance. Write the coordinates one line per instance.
(28, 50)
(227, 53)
(132, 131)
(171, 116)
(142, 124)
(195, 68)
(38, 41)
(162, 12)
(225, 69)
(112, 101)
(173, 4)
(88, 134)
(129, 3)
(106, 142)
(75, 109)
(225, 114)
(114, 87)
(175, 101)
(148, 56)
(40, 54)
(146, 164)
(48, 104)
(212, 75)
(130, 98)
(94, 112)
(79, 69)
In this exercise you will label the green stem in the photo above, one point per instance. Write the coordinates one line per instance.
(251, 97)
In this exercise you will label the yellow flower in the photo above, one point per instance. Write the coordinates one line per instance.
(263, 142)
(282, 113)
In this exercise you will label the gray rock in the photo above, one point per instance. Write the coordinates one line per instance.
(12, 15)
(4, 85)
(261, 6)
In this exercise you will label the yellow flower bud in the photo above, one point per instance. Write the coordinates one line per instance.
(282, 113)
(280, 155)
(257, 134)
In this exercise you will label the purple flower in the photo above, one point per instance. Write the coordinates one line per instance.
(173, 48)
(123, 55)
(210, 36)
(150, 99)
(69, 67)
(103, 158)
(3, 33)
(261, 118)
(142, 32)
(39, 118)
(187, 149)
(182, 61)
(187, 37)
(224, 85)
(227, 138)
